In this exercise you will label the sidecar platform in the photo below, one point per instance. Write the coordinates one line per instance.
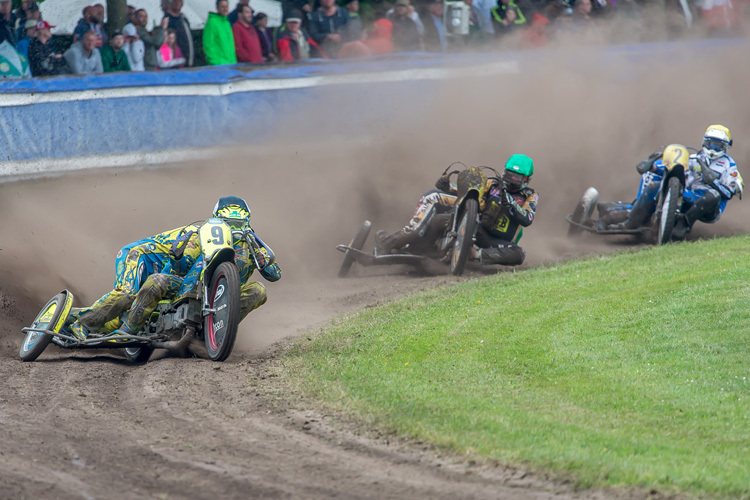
(373, 259)
(591, 227)
(65, 341)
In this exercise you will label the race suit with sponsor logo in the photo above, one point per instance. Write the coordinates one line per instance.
(133, 265)
(163, 286)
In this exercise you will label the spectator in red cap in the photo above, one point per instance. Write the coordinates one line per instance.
(45, 58)
(246, 40)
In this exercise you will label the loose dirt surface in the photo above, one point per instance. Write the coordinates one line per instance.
(90, 425)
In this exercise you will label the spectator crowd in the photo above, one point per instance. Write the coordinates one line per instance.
(326, 29)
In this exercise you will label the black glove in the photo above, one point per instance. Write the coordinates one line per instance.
(646, 164)
(507, 199)
(443, 184)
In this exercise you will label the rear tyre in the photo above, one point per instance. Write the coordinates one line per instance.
(668, 219)
(357, 243)
(465, 232)
(220, 326)
(51, 317)
(583, 211)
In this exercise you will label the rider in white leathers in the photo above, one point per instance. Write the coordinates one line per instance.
(713, 178)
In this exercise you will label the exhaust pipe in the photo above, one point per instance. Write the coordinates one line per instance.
(178, 346)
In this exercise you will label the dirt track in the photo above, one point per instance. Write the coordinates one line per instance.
(88, 425)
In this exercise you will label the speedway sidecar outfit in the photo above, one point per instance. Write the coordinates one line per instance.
(508, 207)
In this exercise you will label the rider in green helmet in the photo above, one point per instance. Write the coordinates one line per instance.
(508, 206)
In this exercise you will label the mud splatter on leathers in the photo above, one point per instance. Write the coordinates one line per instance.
(133, 265)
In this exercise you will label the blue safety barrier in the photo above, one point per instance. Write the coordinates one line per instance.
(123, 113)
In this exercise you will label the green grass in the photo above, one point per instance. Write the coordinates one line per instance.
(623, 370)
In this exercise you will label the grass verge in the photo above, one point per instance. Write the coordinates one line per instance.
(621, 370)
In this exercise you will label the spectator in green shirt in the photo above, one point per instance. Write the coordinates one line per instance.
(218, 39)
(113, 57)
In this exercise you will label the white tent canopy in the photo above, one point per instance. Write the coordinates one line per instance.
(64, 14)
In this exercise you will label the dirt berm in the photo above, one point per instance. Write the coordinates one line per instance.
(89, 425)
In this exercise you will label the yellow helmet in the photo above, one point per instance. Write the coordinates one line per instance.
(675, 154)
(716, 140)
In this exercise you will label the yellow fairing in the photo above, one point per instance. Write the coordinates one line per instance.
(675, 154)
(215, 234)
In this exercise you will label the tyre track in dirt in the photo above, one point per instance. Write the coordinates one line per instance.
(89, 425)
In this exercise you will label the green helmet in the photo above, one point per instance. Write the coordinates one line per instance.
(518, 171)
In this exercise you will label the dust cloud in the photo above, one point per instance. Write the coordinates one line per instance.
(586, 117)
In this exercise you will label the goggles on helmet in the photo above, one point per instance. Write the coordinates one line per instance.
(514, 180)
(715, 145)
(234, 215)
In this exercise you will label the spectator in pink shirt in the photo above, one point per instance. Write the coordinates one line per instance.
(246, 40)
(170, 55)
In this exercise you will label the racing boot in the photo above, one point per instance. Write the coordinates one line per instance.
(78, 330)
(386, 243)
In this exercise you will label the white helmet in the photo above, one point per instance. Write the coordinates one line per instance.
(716, 140)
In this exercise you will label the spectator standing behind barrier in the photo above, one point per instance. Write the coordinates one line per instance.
(29, 34)
(246, 40)
(83, 57)
(434, 38)
(45, 58)
(89, 22)
(260, 21)
(293, 43)
(7, 22)
(411, 13)
(28, 10)
(179, 23)
(379, 40)
(151, 41)
(113, 57)
(236, 12)
(327, 25)
(134, 48)
(131, 14)
(170, 54)
(506, 16)
(304, 9)
(98, 14)
(218, 40)
(353, 29)
(405, 35)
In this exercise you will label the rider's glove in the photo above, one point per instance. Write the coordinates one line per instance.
(261, 258)
(725, 192)
(646, 164)
(443, 184)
